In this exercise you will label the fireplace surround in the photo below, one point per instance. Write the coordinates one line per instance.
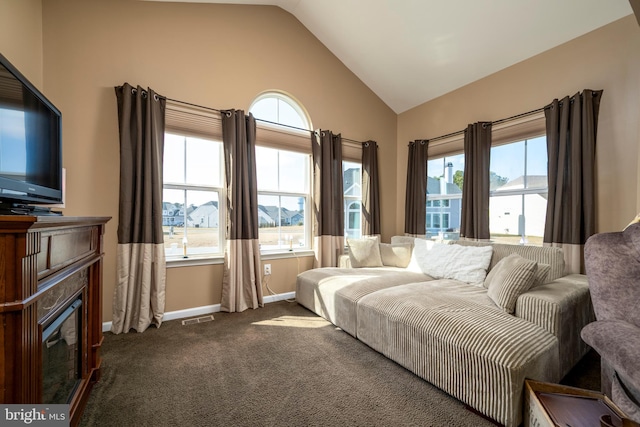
(50, 309)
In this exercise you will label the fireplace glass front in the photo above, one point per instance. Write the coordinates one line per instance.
(61, 361)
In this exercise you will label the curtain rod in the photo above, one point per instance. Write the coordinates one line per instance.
(259, 120)
(460, 132)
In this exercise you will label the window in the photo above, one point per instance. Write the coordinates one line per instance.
(192, 195)
(283, 191)
(283, 166)
(352, 187)
(518, 193)
(444, 196)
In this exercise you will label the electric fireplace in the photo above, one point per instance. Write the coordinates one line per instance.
(61, 355)
(51, 309)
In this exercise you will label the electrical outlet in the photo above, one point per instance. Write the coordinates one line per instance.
(267, 269)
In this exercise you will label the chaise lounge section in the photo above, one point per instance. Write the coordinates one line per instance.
(452, 333)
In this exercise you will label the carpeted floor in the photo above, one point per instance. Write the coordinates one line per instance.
(277, 366)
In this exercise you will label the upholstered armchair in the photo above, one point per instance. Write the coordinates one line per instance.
(612, 263)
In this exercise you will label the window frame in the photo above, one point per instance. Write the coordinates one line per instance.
(220, 192)
(286, 138)
(523, 192)
(349, 200)
(525, 126)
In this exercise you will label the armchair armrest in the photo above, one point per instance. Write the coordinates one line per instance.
(618, 343)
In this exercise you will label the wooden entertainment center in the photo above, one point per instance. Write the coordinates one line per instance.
(50, 270)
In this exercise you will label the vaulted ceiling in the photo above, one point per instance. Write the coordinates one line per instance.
(411, 51)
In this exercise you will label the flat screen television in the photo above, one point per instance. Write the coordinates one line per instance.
(30, 145)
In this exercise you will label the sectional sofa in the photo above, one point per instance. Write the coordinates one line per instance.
(473, 319)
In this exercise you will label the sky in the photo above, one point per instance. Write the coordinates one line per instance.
(506, 160)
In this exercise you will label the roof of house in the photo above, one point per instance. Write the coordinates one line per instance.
(433, 187)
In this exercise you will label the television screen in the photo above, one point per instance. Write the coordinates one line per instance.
(30, 141)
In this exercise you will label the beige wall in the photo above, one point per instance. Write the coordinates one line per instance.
(607, 58)
(220, 56)
(21, 37)
(223, 56)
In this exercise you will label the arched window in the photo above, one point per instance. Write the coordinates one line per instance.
(276, 107)
(283, 165)
(353, 220)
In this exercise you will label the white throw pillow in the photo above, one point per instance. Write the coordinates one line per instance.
(421, 248)
(364, 252)
(467, 264)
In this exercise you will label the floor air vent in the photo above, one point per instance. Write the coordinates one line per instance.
(195, 320)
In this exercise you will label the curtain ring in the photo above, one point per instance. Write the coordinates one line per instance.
(155, 97)
(134, 91)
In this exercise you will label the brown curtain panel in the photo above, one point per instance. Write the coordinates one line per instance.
(475, 188)
(328, 195)
(241, 282)
(139, 297)
(572, 125)
(415, 207)
(370, 190)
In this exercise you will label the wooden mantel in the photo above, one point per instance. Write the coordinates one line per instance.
(45, 263)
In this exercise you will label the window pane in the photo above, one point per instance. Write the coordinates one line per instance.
(201, 217)
(287, 115)
(516, 217)
(203, 162)
(267, 168)
(507, 166)
(294, 172)
(436, 221)
(279, 108)
(444, 196)
(266, 109)
(352, 179)
(352, 187)
(535, 211)
(537, 163)
(280, 170)
(445, 175)
(505, 218)
(353, 215)
(281, 222)
(173, 160)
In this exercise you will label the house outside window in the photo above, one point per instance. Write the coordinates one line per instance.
(444, 197)
(283, 172)
(192, 195)
(352, 187)
(518, 193)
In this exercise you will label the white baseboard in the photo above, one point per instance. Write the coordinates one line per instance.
(207, 309)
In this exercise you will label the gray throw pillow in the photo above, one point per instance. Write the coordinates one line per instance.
(364, 253)
(542, 274)
(510, 277)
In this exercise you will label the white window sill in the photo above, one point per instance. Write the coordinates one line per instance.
(219, 259)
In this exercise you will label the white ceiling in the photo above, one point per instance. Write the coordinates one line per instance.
(411, 51)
